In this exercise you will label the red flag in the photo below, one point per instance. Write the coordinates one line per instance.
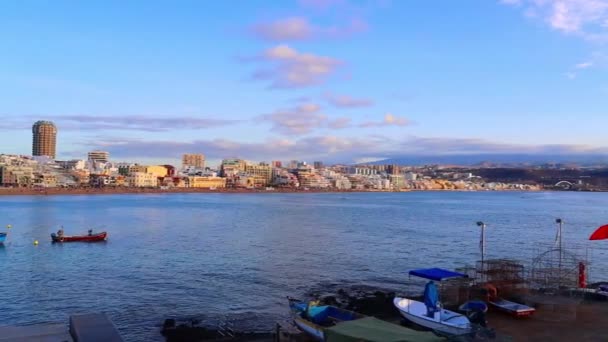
(600, 234)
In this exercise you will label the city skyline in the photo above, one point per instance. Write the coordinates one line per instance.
(331, 80)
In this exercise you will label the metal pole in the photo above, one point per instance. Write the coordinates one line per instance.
(482, 247)
(559, 246)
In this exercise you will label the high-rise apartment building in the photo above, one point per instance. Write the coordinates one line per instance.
(318, 165)
(393, 169)
(99, 156)
(193, 160)
(44, 139)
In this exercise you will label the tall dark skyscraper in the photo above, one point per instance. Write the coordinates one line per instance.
(44, 139)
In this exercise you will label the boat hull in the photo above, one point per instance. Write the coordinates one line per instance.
(513, 309)
(311, 329)
(2, 237)
(81, 238)
(414, 312)
(317, 329)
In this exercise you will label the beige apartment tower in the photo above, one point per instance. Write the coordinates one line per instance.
(44, 139)
(193, 160)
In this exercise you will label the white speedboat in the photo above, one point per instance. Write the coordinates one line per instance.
(430, 314)
(443, 321)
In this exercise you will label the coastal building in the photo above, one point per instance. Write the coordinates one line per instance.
(293, 164)
(410, 176)
(393, 169)
(134, 168)
(366, 171)
(45, 180)
(313, 181)
(341, 183)
(73, 164)
(99, 156)
(196, 161)
(206, 182)
(142, 180)
(244, 181)
(16, 175)
(99, 180)
(318, 165)
(262, 174)
(80, 177)
(157, 170)
(171, 171)
(276, 163)
(44, 139)
(172, 182)
(284, 179)
(397, 181)
(232, 167)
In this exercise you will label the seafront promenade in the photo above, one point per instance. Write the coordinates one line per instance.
(134, 190)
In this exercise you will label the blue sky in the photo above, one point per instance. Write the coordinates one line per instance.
(332, 80)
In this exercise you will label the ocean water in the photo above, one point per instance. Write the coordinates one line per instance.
(237, 256)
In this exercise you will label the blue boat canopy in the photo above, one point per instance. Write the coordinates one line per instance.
(437, 274)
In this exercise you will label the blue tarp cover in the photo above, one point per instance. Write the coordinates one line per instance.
(431, 297)
(320, 314)
(437, 274)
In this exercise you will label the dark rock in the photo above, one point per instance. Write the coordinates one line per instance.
(330, 300)
(169, 324)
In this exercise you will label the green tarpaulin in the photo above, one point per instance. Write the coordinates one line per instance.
(374, 330)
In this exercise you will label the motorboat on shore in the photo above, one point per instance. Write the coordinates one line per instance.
(329, 323)
(90, 237)
(507, 306)
(430, 313)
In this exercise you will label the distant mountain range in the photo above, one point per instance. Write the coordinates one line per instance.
(489, 160)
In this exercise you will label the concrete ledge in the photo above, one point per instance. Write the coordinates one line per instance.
(93, 328)
(35, 333)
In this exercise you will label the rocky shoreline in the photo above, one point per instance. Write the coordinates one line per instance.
(362, 299)
(585, 324)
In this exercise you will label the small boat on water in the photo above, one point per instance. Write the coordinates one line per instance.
(2, 237)
(329, 323)
(430, 314)
(90, 237)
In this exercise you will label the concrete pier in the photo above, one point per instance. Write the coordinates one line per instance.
(82, 328)
(36, 333)
(93, 328)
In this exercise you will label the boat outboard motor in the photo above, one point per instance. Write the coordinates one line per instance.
(478, 317)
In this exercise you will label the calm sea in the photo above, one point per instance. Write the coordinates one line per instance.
(236, 256)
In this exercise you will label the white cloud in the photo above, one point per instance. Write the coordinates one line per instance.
(331, 148)
(584, 65)
(289, 68)
(301, 119)
(389, 120)
(340, 123)
(320, 4)
(345, 101)
(292, 28)
(586, 18)
(145, 123)
(300, 28)
(570, 75)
